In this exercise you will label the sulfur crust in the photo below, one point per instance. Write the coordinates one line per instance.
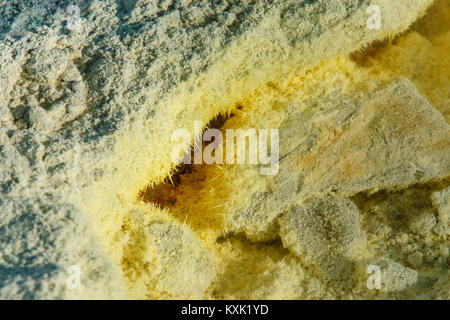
(262, 89)
(202, 209)
(86, 117)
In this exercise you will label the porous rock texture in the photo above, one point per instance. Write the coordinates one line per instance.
(387, 139)
(323, 233)
(89, 98)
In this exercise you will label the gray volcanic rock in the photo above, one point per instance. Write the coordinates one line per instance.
(323, 233)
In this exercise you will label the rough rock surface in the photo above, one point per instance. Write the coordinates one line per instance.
(388, 139)
(175, 262)
(325, 232)
(89, 96)
(441, 201)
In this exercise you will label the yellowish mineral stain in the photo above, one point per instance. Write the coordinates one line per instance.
(248, 270)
